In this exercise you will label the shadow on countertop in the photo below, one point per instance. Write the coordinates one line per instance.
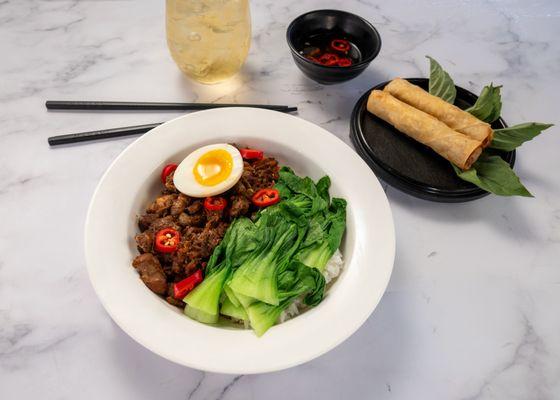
(348, 367)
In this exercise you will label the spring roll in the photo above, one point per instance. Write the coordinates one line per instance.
(452, 145)
(457, 119)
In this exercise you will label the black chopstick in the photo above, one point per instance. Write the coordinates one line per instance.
(139, 105)
(111, 133)
(101, 134)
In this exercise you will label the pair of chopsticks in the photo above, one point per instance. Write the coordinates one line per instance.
(133, 106)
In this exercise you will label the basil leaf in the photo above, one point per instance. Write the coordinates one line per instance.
(494, 175)
(441, 84)
(489, 104)
(510, 138)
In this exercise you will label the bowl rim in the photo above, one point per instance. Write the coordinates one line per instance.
(129, 322)
(362, 64)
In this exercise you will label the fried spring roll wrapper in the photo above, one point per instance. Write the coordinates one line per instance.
(450, 115)
(452, 145)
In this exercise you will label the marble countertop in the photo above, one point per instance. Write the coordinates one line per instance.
(471, 311)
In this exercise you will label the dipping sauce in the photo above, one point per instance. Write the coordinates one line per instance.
(331, 50)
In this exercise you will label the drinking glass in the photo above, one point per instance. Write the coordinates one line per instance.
(208, 39)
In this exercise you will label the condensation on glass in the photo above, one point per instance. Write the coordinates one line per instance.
(208, 39)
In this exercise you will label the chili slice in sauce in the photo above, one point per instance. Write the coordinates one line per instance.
(215, 203)
(328, 59)
(251, 154)
(167, 240)
(340, 45)
(344, 62)
(166, 171)
(266, 197)
(182, 288)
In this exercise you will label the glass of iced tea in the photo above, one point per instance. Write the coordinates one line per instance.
(208, 39)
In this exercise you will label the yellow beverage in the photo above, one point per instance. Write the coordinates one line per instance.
(208, 39)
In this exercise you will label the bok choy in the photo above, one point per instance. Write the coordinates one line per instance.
(263, 265)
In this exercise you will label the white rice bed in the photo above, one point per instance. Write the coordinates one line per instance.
(332, 270)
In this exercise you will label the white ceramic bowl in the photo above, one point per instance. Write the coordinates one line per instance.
(133, 179)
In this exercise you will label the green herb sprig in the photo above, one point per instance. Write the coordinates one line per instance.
(490, 172)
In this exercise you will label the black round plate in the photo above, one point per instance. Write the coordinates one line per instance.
(408, 165)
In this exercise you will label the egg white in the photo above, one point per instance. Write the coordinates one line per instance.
(186, 183)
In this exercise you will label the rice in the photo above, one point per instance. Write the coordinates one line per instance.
(292, 310)
(332, 270)
(333, 267)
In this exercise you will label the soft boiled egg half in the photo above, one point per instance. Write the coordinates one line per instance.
(209, 170)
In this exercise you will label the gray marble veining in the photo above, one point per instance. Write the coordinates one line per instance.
(471, 310)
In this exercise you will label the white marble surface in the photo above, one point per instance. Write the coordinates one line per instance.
(472, 308)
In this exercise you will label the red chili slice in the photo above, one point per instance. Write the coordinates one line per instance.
(328, 59)
(266, 197)
(340, 45)
(215, 203)
(251, 154)
(167, 240)
(182, 288)
(344, 62)
(166, 171)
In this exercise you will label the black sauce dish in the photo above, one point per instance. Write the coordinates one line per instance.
(333, 23)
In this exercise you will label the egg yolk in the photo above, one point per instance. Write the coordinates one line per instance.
(213, 167)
